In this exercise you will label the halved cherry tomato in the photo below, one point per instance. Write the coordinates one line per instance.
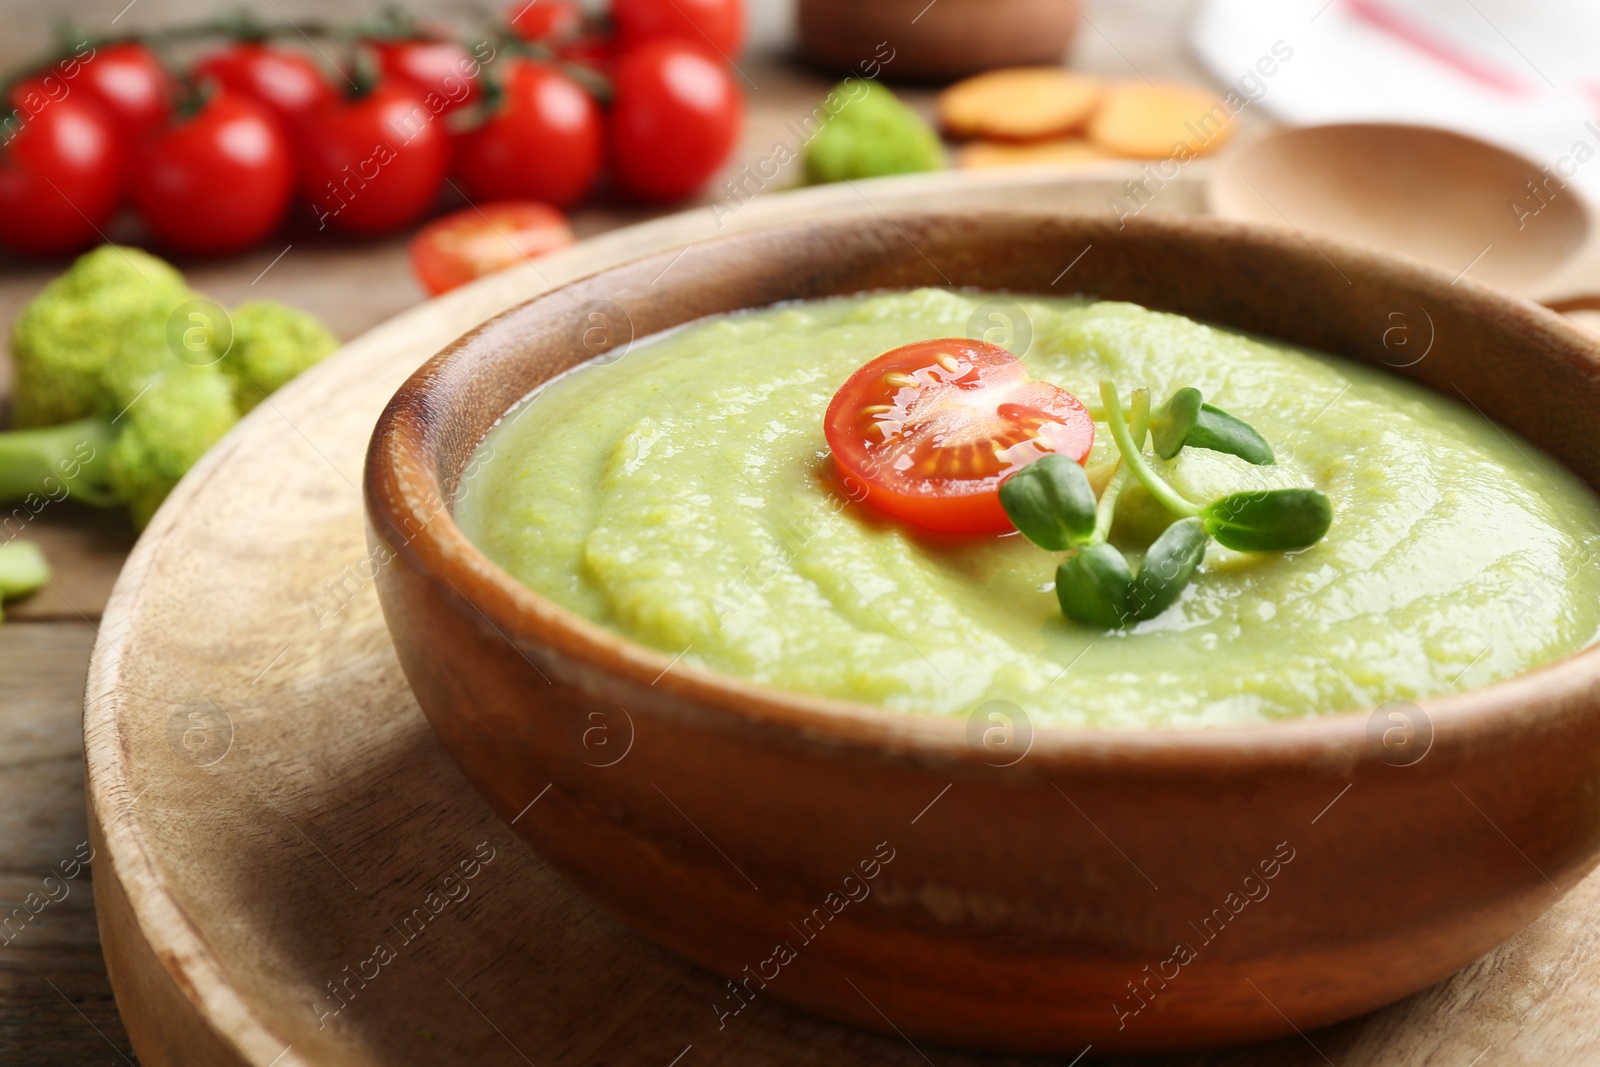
(929, 431)
(547, 21)
(476, 241)
(286, 82)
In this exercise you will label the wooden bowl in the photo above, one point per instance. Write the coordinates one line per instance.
(921, 41)
(1136, 890)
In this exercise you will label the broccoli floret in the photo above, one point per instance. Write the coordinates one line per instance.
(112, 301)
(158, 398)
(869, 136)
(271, 344)
(164, 433)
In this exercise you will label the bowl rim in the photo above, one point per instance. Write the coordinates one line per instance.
(400, 472)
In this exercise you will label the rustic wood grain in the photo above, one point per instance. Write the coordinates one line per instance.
(57, 1005)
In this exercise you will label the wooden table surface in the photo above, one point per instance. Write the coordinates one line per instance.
(56, 1005)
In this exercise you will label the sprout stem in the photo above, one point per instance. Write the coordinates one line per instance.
(1105, 512)
(1133, 456)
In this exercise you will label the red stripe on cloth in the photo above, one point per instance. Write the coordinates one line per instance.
(1381, 16)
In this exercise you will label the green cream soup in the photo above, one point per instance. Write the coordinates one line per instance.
(684, 496)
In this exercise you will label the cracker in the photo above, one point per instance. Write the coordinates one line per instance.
(1156, 121)
(1062, 151)
(1019, 104)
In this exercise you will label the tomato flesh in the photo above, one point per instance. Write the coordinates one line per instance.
(479, 240)
(928, 431)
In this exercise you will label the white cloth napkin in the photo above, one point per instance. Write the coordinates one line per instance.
(1524, 74)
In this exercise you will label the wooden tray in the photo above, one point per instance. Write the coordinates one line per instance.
(290, 872)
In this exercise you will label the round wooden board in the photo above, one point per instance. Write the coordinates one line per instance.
(274, 823)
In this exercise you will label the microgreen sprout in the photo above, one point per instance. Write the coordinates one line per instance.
(1052, 502)
(1187, 420)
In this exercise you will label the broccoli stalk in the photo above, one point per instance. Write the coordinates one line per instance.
(56, 462)
(134, 457)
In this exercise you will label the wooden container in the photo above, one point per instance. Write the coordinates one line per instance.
(916, 40)
(997, 924)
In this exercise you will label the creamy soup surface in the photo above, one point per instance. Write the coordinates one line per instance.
(683, 496)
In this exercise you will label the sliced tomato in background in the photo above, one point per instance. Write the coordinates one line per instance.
(714, 24)
(546, 21)
(375, 163)
(129, 81)
(286, 82)
(443, 68)
(475, 241)
(215, 181)
(60, 174)
(675, 114)
(928, 431)
(543, 141)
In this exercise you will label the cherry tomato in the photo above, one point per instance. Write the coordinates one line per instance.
(543, 142)
(675, 115)
(545, 20)
(593, 50)
(129, 81)
(60, 173)
(216, 181)
(717, 24)
(376, 163)
(286, 82)
(476, 241)
(443, 72)
(930, 430)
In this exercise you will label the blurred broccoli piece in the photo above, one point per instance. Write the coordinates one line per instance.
(869, 136)
(22, 569)
(156, 399)
(271, 344)
(165, 432)
(112, 301)
(133, 456)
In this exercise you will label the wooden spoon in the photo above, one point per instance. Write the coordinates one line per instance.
(1459, 203)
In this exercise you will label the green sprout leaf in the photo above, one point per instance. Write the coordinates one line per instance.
(1170, 427)
(1217, 430)
(1277, 520)
(1051, 502)
(1168, 566)
(1095, 587)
